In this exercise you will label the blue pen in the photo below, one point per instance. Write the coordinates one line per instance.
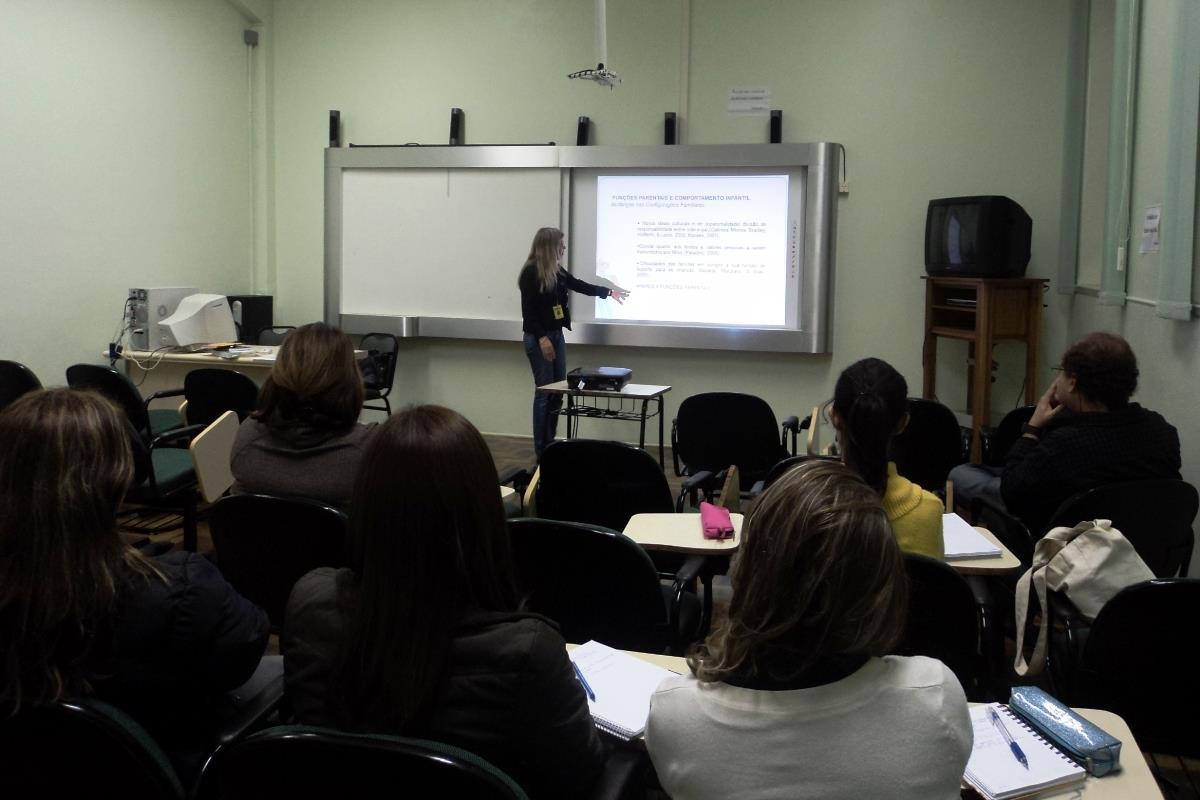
(587, 687)
(1016, 750)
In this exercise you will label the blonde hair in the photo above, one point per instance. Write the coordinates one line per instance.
(819, 577)
(543, 255)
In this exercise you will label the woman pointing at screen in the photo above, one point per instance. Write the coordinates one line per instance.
(544, 313)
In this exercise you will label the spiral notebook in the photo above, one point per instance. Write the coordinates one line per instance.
(623, 685)
(996, 774)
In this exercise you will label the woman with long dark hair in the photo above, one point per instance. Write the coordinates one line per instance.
(870, 406)
(421, 636)
(545, 311)
(792, 694)
(304, 439)
(82, 612)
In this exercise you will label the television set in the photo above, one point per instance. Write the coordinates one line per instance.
(986, 236)
(200, 319)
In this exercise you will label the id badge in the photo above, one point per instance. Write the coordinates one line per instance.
(558, 311)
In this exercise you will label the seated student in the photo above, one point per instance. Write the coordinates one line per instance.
(83, 613)
(791, 695)
(1084, 433)
(304, 439)
(870, 406)
(422, 635)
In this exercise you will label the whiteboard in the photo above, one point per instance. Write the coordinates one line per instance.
(441, 242)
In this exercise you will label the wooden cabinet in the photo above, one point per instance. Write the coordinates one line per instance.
(982, 311)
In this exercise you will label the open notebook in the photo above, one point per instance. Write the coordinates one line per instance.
(996, 774)
(963, 541)
(623, 685)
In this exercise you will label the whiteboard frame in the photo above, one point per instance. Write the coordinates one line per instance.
(814, 314)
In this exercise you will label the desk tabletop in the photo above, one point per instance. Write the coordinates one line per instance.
(640, 391)
(256, 356)
(680, 533)
(1003, 564)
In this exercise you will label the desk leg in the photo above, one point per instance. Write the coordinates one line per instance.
(661, 463)
(570, 416)
(642, 424)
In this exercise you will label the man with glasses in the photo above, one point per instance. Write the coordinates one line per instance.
(1084, 433)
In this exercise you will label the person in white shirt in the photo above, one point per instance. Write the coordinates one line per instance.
(792, 695)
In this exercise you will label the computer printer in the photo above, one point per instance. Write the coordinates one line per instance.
(599, 379)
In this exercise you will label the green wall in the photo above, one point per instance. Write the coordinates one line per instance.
(930, 98)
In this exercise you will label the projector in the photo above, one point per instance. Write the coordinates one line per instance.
(598, 379)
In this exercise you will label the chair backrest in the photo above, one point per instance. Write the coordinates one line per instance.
(16, 379)
(943, 621)
(382, 348)
(116, 387)
(1140, 662)
(211, 450)
(274, 335)
(1007, 432)
(716, 429)
(930, 446)
(1154, 515)
(595, 583)
(304, 761)
(600, 483)
(81, 748)
(265, 544)
(211, 392)
(783, 466)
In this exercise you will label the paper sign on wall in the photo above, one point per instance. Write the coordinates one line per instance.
(1150, 230)
(749, 101)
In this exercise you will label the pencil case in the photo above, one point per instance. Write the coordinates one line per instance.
(1083, 742)
(715, 521)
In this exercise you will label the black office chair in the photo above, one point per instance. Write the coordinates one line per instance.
(164, 480)
(379, 368)
(117, 387)
(600, 483)
(930, 446)
(945, 622)
(265, 544)
(999, 440)
(782, 467)
(1139, 661)
(714, 430)
(82, 748)
(274, 335)
(599, 584)
(15, 380)
(1154, 515)
(210, 392)
(305, 761)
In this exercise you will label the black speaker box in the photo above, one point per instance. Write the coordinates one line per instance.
(776, 126)
(335, 128)
(456, 126)
(583, 131)
(251, 313)
(669, 128)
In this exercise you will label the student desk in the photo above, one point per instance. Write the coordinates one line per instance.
(1134, 779)
(638, 394)
(167, 370)
(680, 533)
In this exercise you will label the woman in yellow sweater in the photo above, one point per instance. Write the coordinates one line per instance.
(870, 406)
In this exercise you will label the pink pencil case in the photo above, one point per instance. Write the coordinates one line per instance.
(715, 521)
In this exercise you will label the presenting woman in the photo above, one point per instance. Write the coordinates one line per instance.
(544, 313)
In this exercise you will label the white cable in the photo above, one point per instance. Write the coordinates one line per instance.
(602, 32)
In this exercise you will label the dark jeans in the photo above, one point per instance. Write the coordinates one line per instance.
(545, 406)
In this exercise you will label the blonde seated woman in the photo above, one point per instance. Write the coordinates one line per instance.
(793, 695)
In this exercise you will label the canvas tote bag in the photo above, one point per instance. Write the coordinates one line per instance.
(1089, 564)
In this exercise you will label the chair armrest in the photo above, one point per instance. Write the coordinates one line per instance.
(1069, 630)
(167, 438)
(792, 424)
(1010, 530)
(675, 447)
(163, 393)
(685, 576)
(757, 488)
(517, 477)
(704, 480)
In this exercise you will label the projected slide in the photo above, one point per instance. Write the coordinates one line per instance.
(694, 249)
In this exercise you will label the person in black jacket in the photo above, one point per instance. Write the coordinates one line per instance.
(1084, 433)
(545, 311)
(422, 635)
(83, 613)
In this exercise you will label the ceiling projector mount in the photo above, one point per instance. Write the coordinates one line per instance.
(602, 75)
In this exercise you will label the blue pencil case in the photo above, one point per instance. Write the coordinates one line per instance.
(1083, 742)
